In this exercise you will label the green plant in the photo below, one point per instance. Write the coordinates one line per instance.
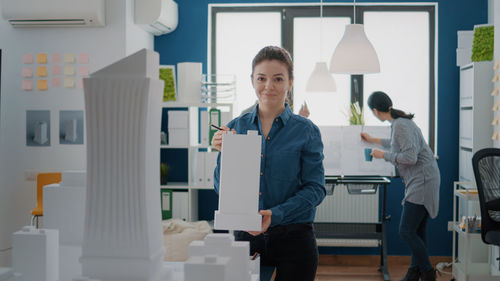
(356, 114)
(167, 75)
(482, 45)
(164, 173)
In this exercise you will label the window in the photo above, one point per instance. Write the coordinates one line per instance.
(403, 37)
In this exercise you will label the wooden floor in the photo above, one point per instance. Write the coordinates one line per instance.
(366, 268)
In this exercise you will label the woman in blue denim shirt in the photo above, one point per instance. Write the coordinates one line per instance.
(292, 179)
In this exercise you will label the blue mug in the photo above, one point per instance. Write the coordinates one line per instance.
(368, 156)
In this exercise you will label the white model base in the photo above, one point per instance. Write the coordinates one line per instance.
(245, 222)
(165, 274)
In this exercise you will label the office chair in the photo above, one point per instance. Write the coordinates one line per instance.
(486, 166)
(42, 179)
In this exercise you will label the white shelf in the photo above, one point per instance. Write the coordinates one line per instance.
(174, 146)
(471, 235)
(474, 272)
(194, 104)
(175, 185)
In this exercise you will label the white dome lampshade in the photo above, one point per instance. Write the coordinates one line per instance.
(354, 54)
(321, 80)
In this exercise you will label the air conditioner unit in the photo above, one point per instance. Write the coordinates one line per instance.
(50, 13)
(156, 16)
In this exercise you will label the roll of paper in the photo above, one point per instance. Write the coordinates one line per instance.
(189, 82)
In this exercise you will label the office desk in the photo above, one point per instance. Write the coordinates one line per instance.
(357, 230)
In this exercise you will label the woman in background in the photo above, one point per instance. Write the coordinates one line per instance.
(419, 171)
(292, 179)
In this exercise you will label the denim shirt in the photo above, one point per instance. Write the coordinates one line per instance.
(292, 181)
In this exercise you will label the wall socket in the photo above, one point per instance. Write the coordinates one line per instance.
(30, 175)
(450, 226)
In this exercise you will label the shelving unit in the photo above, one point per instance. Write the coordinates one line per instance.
(183, 175)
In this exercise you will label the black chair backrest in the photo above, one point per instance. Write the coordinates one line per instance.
(486, 166)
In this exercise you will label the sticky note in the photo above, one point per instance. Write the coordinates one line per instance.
(56, 70)
(42, 85)
(41, 58)
(69, 70)
(41, 71)
(28, 58)
(495, 78)
(494, 92)
(56, 82)
(495, 66)
(495, 106)
(83, 71)
(27, 72)
(56, 58)
(27, 85)
(495, 136)
(495, 121)
(70, 58)
(69, 82)
(83, 58)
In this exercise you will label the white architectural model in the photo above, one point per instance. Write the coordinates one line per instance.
(35, 254)
(41, 133)
(71, 134)
(220, 258)
(122, 235)
(239, 183)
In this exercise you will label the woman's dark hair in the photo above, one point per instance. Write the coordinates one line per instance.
(274, 53)
(382, 102)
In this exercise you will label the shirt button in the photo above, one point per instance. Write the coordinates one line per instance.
(268, 138)
(276, 120)
(261, 155)
(261, 173)
(260, 193)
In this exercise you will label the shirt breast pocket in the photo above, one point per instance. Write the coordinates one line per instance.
(285, 165)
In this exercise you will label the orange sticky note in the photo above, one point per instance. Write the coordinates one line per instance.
(56, 82)
(28, 58)
(41, 71)
(70, 58)
(56, 58)
(83, 71)
(42, 85)
(27, 85)
(41, 58)
(83, 58)
(56, 70)
(69, 82)
(27, 72)
(69, 70)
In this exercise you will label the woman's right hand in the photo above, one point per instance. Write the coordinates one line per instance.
(366, 137)
(217, 138)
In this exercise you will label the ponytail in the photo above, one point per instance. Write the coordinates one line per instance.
(396, 113)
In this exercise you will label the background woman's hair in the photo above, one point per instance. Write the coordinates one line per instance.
(382, 102)
(274, 53)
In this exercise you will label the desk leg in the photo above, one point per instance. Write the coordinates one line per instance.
(384, 267)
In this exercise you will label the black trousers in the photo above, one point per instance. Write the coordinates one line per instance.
(290, 248)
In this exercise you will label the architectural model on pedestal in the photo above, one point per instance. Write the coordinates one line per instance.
(122, 238)
(239, 183)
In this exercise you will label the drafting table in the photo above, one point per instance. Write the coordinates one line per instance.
(359, 230)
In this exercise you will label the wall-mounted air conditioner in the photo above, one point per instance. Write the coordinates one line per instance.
(50, 13)
(156, 16)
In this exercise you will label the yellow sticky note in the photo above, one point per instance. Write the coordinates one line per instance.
(495, 106)
(69, 82)
(495, 136)
(41, 71)
(495, 78)
(69, 58)
(69, 70)
(495, 121)
(495, 66)
(494, 92)
(41, 58)
(42, 85)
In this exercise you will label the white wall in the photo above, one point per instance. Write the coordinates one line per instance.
(494, 18)
(104, 45)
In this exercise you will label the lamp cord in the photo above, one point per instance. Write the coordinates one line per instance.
(6, 249)
(320, 30)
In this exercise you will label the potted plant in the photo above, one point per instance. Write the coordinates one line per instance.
(164, 167)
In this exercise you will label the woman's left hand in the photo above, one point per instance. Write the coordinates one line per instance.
(377, 154)
(266, 222)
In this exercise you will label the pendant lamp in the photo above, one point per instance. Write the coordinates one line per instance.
(354, 54)
(321, 80)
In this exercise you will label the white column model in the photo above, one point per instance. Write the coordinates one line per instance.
(239, 183)
(122, 238)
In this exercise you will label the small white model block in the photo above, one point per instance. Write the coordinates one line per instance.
(71, 134)
(35, 254)
(41, 133)
(223, 245)
(64, 207)
(207, 268)
(239, 183)
(122, 238)
(178, 137)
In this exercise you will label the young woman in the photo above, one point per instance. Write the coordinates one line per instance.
(420, 173)
(292, 179)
